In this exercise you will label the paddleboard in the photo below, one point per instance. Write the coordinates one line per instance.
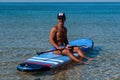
(49, 60)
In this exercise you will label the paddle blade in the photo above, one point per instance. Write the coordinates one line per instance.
(38, 53)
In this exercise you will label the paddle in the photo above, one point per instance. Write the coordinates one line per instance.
(47, 51)
(58, 49)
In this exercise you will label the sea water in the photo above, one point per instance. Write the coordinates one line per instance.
(24, 30)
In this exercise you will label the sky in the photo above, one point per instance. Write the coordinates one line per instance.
(59, 0)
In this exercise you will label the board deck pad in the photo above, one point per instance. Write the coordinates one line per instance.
(49, 60)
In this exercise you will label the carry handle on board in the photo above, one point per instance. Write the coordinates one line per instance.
(83, 46)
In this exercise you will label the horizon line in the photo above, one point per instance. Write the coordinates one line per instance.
(58, 2)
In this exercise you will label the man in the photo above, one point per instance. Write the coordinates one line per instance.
(58, 39)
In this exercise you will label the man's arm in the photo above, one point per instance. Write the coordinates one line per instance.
(52, 36)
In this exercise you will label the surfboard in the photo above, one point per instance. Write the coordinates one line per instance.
(49, 60)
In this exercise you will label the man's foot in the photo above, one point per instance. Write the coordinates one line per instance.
(89, 59)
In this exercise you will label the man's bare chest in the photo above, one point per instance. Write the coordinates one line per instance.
(61, 32)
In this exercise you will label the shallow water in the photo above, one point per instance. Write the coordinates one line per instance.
(25, 32)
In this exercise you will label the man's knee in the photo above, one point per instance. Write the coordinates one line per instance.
(66, 51)
(77, 48)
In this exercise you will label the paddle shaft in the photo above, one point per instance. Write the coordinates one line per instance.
(57, 49)
(47, 51)
(52, 50)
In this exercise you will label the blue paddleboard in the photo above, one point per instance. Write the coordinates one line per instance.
(49, 60)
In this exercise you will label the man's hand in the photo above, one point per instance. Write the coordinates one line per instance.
(68, 46)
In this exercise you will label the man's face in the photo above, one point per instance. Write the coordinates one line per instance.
(61, 20)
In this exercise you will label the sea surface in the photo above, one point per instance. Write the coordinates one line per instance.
(24, 30)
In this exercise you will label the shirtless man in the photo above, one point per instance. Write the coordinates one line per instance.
(58, 39)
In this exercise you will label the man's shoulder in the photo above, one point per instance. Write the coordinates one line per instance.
(54, 28)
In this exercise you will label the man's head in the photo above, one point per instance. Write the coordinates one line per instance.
(61, 16)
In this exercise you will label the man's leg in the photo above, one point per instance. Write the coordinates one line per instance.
(69, 53)
(80, 52)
